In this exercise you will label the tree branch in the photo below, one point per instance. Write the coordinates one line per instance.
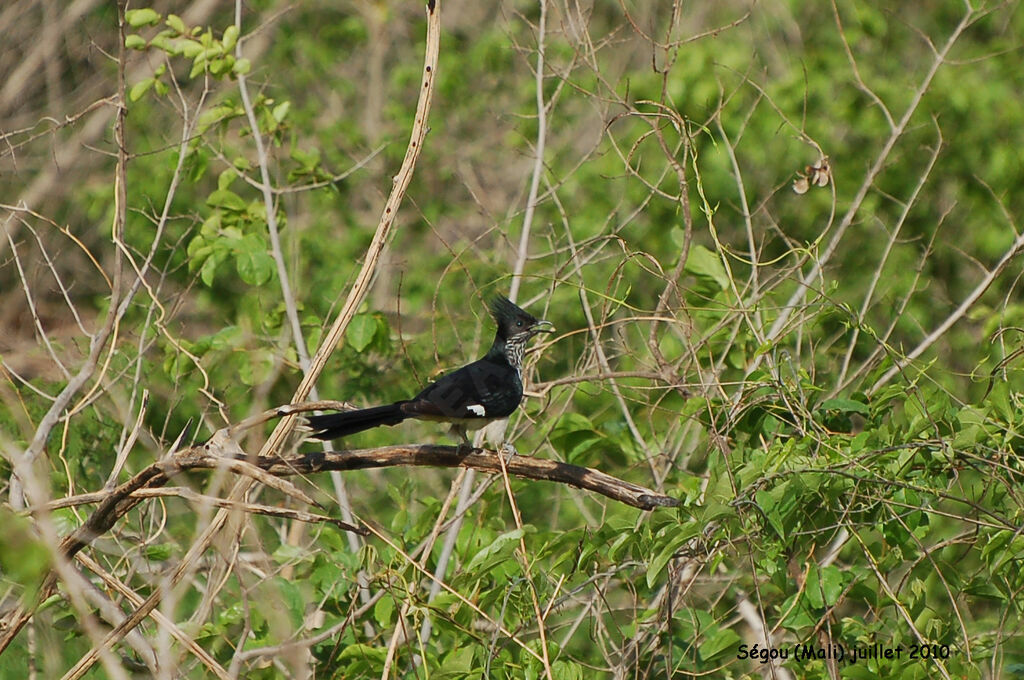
(483, 460)
(222, 451)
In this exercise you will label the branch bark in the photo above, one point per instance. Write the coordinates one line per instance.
(222, 451)
(483, 460)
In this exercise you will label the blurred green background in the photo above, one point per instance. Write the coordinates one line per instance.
(827, 380)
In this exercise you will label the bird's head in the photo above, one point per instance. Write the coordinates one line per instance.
(514, 324)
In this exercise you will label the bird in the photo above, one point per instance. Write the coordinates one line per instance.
(468, 398)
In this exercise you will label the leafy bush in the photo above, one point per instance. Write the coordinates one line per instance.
(826, 380)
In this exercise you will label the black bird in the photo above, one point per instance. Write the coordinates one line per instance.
(476, 394)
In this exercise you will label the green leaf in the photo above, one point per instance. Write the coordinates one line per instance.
(458, 663)
(189, 48)
(706, 265)
(498, 548)
(159, 552)
(226, 178)
(290, 554)
(845, 406)
(799, 615)
(292, 598)
(361, 651)
(139, 89)
(566, 670)
(677, 539)
(766, 501)
(574, 435)
(160, 41)
(175, 22)
(198, 66)
(812, 589)
(360, 331)
(209, 270)
(254, 264)
(280, 111)
(831, 581)
(242, 67)
(383, 610)
(718, 641)
(135, 42)
(307, 159)
(230, 37)
(24, 558)
(219, 66)
(141, 17)
(213, 51)
(256, 369)
(226, 199)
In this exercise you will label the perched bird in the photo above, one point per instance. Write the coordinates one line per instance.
(468, 398)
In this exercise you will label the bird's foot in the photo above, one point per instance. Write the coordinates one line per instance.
(508, 451)
(464, 448)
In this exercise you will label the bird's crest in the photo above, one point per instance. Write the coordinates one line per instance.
(504, 311)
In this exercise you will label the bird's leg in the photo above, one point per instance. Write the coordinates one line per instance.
(464, 447)
(508, 450)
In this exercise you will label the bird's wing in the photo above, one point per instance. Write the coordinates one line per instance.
(482, 389)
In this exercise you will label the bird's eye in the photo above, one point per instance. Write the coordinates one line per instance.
(519, 323)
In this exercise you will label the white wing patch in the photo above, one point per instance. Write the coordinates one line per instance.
(477, 409)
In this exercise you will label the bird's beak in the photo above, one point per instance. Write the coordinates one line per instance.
(543, 327)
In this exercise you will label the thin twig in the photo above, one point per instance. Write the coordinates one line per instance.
(16, 620)
(869, 178)
(884, 258)
(467, 481)
(270, 208)
(962, 309)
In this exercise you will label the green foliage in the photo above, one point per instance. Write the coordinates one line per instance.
(208, 55)
(24, 558)
(832, 491)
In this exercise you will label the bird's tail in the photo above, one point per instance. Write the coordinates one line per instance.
(337, 425)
